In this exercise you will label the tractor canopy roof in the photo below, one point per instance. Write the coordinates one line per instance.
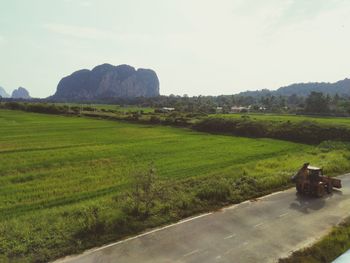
(313, 168)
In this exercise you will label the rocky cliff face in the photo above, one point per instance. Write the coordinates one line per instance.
(20, 93)
(3, 93)
(108, 81)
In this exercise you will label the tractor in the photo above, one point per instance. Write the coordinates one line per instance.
(311, 181)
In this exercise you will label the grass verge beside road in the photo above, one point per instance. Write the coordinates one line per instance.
(325, 250)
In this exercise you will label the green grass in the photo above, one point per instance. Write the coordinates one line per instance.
(56, 170)
(327, 249)
(343, 121)
(111, 107)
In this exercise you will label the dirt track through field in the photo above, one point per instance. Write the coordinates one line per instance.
(254, 231)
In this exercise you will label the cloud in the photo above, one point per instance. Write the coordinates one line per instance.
(80, 31)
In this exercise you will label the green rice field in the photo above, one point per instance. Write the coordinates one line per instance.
(110, 107)
(55, 170)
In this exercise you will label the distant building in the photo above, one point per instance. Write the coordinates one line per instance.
(238, 109)
(165, 110)
(168, 109)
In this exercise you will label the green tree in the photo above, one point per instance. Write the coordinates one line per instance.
(141, 199)
(316, 102)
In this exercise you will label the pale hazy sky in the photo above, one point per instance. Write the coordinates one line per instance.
(195, 46)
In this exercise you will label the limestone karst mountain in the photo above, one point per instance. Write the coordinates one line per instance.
(108, 81)
(3, 93)
(20, 93)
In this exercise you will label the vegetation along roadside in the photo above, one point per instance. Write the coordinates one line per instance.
(325, 250)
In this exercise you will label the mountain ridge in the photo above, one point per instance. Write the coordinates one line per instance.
(20, 93)
(341, 87)
(3, 93)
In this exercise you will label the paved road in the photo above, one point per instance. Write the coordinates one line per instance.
(254, 231)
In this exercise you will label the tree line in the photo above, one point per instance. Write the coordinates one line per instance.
(314, 103)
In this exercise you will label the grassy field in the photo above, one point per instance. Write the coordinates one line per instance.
(109, 107)
(345, 121)
(327, 249)
(60, 177)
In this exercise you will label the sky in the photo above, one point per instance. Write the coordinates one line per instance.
(197, 47)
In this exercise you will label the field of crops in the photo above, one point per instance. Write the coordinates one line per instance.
(55, 170)
(109, 107)
(345, 121)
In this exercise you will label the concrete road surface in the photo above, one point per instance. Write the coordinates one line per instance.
(254, 231)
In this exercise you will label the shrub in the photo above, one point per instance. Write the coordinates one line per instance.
(304, 132)
(139, 201)
(37, 107)
(154, 119)
(327, 146)
(12, 105)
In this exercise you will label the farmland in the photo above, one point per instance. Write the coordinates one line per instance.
(302, 129)
(61, 177)
(112, 107)
(339, 121)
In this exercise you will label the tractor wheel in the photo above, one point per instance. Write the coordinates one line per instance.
(329, 188)
(299, 188)
(308, 189)
(320, 191)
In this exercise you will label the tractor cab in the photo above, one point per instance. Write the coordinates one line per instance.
(315, 174)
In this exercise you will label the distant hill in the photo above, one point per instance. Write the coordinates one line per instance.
(108, 81)
(20, 93)
(3, 93)
(342, 88)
